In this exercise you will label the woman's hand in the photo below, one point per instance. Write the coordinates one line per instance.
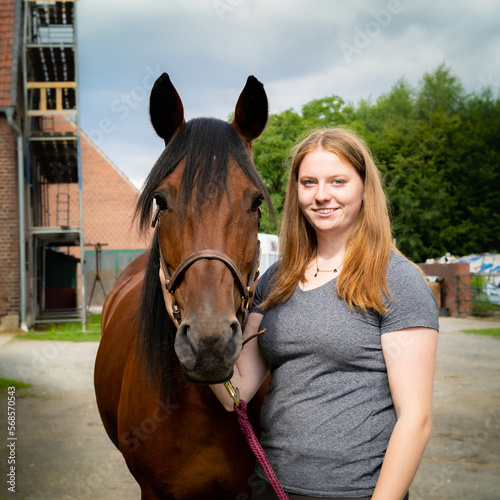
(250, 369)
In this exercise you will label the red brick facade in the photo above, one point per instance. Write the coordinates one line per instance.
(9, 210)
(9, 222)
(449, 286)
(7, 29)
(109, 200)
(108, 196)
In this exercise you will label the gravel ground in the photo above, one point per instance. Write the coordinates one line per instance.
(63, 452)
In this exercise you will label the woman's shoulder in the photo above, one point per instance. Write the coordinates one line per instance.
(411, 302)
(402, 273)
(398, 263)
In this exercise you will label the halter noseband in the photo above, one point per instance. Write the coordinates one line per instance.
(173, 282)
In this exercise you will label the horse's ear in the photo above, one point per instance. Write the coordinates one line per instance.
(250, 116)
(165, 108)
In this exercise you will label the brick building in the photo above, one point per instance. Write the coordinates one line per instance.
(109, 200)
(10, 124)
(58, 192)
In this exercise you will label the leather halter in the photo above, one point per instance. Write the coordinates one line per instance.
(173, 282)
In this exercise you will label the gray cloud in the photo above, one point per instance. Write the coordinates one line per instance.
(299, 50)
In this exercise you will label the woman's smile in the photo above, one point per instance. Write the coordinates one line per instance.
(325, 211)
(330, 192)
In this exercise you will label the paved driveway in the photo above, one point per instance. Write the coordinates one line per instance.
(62, 451)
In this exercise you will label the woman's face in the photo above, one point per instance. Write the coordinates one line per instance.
(330, 193)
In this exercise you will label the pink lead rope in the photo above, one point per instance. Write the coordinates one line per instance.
(253, 442)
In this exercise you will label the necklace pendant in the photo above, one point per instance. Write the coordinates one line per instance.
(318, 270)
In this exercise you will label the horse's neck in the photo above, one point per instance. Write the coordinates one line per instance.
(200, 395)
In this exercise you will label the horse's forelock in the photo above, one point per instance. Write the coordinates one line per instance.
(207, 144)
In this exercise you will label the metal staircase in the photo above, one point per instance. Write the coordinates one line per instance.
(52, 132)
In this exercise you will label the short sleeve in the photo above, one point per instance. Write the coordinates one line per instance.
(262, 288)
(411, 303)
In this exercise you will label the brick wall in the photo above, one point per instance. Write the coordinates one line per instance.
(9, 225)
(449, 286)
(109, 200)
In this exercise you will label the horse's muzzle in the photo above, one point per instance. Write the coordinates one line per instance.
(207, 351)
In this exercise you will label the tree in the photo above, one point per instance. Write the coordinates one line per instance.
(437, 148)
(271, 155)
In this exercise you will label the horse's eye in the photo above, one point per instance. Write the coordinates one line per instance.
(257, 203)
(160, 202)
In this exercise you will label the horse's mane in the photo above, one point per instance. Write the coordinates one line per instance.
(207, 145)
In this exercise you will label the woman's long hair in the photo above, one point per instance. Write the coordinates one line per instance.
(362, 282)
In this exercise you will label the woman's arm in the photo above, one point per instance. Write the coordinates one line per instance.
(250, 369)
(410, 356)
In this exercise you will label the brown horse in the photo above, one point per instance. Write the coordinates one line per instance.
(150, 376)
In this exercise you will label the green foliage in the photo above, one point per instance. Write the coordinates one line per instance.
(439, 91)
(482, 305)
(478, 281)
(271, 154)
(437, 148)
(481, 302)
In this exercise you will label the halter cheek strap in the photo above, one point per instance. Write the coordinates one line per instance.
(173, 282)
(176, 312)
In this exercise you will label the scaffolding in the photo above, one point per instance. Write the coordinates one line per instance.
(52, 133)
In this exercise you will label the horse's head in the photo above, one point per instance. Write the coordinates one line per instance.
(207, 194)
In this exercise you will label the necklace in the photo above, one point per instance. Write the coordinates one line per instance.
(318, 270)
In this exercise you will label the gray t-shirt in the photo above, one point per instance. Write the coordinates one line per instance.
(328, 415)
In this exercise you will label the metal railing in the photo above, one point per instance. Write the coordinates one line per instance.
(477, 294)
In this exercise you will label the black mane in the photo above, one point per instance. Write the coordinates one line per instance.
(207, 144)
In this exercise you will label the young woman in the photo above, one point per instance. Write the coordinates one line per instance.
(351, 335)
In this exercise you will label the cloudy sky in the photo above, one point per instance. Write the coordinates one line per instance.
(300, 49)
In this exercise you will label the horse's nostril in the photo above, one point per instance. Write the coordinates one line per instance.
(209, 350)
(183, 347)
(233, 347)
